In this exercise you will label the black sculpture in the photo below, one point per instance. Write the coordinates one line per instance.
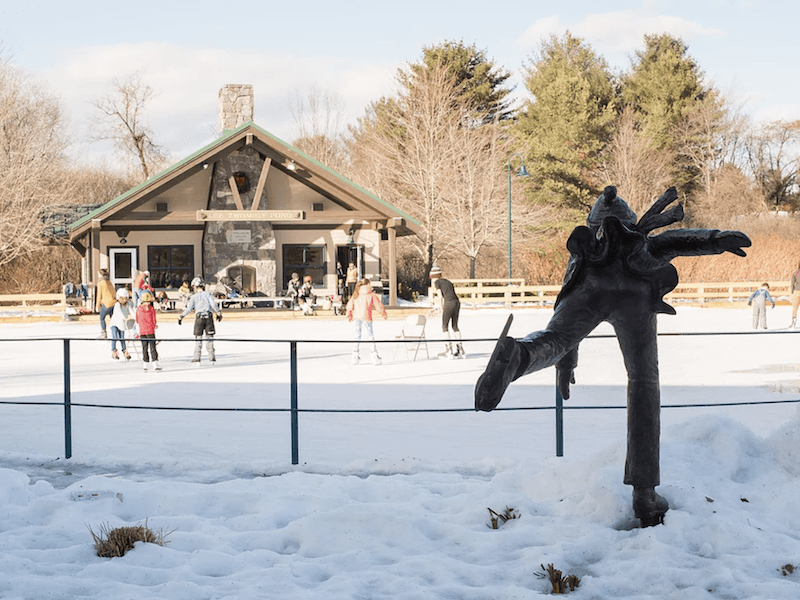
(617, 273)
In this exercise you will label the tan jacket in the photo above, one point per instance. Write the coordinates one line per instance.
(106, 295)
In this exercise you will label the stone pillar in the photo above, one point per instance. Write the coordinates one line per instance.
(236, 106)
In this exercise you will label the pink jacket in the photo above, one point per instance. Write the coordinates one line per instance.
(361, 307)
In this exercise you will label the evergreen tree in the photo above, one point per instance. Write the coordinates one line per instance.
(477, 80)
(663, 86)
(568, 121)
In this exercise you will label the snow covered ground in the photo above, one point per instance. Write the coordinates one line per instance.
(394, 505)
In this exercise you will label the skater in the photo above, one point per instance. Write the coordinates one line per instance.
(122, 320)
(617, 273)
(758, 300)
(351, 279)
(360, 308)
(105, 300)
(340, 276)
(141, 283)
(184, 293)
(450, 306)
(293, 289)
(794, 290)
(306, 308)
(307, 291)
(146, 319)
(205, 307)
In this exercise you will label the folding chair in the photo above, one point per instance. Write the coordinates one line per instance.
(413, 331)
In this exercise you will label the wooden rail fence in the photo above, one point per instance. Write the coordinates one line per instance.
(514, 292)
(30, 304)
(472, 292)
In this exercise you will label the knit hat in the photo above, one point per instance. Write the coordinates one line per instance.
(436, 271)
(122, 293)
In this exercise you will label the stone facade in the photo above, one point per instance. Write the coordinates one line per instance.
(236, 106)
(232, 243)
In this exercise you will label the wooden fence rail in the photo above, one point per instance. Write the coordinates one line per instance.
(33, 303)
(484, 292)
(472, 292)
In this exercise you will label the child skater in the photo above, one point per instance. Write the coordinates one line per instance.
(758, 300)
(122, 321)
(204, 307)
(146, 319)
(360, 307)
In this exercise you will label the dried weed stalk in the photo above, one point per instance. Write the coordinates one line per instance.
(560, 584)
(116, 542)
(496, 518)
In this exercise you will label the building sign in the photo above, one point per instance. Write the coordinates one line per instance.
(250, 215)
(239, 236)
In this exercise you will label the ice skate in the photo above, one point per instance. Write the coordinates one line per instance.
(196, 363)
(145, 367)
(794, 324)
(376, 360)
(157, 366)
(212, 362)
(355, 358)
(500, 371)
(103, 335)
(648, 506)
(459, 353)
(127, 356)
(448, 352)
(115, 355)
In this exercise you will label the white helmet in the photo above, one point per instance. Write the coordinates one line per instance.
(197, 282)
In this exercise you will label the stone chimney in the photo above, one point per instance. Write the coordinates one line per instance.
(235, 106)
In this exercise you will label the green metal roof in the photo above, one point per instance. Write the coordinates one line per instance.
(227, 134)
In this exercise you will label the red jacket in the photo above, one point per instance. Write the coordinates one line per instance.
(146, 318)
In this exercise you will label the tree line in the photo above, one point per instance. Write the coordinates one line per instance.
(443, 149)
(446, 147)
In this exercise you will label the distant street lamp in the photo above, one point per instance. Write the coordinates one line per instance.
(521, 173)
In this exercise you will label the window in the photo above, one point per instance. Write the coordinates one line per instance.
(304, 260)
(169, 266)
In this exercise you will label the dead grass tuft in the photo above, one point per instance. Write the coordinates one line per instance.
(116, 542)
(559, 583)
(506, 515)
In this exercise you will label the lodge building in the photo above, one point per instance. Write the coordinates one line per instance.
(248, 207)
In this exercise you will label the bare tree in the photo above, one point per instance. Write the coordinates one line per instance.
(774, 157)
(122, 121)
(319, 118)
(635, 166)
(32, 173)
(404, 142)
(476, 202)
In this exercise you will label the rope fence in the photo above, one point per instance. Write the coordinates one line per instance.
(295, 410)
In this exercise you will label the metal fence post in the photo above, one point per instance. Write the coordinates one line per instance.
(559, 421)
(67, 404)
(293, 394)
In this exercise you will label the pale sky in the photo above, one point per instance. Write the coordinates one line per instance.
(186, 51)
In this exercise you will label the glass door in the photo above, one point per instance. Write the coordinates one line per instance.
(123, 266)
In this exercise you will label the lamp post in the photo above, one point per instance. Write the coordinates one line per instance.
(521, 173)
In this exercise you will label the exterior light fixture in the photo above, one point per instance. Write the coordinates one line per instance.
(521, 173)
(291, 166)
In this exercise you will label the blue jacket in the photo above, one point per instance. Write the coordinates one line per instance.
(761, 292)
(201, 302)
